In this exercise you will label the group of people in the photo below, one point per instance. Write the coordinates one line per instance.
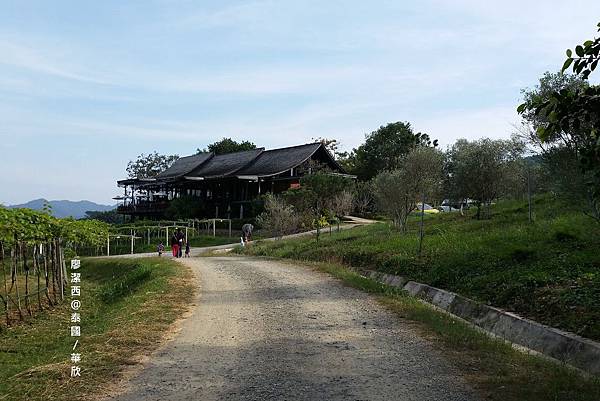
(178, 242)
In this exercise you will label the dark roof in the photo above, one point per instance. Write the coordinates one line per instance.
(184, 165)
(226, 164)
(257, 162)
(275, 161)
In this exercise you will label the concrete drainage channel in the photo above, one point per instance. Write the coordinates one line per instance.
(566, 347)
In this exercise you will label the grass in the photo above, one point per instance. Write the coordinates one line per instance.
(548, 270)
(127, 307)
(492, 366)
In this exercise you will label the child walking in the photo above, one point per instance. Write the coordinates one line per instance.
(160, 249)
(187, 249)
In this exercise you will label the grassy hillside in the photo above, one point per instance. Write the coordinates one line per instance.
(127, 306)
(548, 270)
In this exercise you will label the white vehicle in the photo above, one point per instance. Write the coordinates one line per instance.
(449, 206)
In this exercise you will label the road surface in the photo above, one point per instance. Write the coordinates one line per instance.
(269, 330)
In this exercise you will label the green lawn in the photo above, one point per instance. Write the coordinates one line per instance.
(128, 305)
(548, 270)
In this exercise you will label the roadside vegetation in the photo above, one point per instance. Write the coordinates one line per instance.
(548, 270)
(128, 307)
(492, 366)
(523, 232)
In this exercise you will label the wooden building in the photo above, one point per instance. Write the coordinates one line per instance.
(227, 184)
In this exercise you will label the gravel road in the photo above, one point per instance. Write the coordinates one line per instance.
(268, 330)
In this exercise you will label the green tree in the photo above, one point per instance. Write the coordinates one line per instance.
(228, 145)
(384, 148)
(279, 218)
(549, 84)
(109, 216)
(481, 170)
(150, 165)
(316, 196)
(418, 178)
(575, 112)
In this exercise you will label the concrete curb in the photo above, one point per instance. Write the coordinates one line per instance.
(566, 347)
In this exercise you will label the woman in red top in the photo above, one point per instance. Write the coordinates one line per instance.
(175, 245)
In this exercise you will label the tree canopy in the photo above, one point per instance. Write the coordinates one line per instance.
(228, 145)
(150, 165)
(384, 148)
(576, 112)
(481, 170)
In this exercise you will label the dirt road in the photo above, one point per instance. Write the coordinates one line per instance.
(267, 330)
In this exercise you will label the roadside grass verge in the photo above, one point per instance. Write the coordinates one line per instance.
(491, 365)
(548, 270)
(128, 306)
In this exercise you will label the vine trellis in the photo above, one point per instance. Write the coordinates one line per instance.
(33, 251)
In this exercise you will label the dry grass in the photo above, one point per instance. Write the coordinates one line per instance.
(115, 336)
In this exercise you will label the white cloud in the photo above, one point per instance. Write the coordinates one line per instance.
(31, 58)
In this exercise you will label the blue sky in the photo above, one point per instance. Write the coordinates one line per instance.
(87, 86)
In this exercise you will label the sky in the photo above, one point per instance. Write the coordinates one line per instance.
(86, 86)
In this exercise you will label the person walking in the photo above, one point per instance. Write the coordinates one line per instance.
(247, 232)
(175, 245)
(180, 237)
(187, 249)
(160, 249)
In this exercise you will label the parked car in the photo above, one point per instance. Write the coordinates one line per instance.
(450, 206)
(428, 209)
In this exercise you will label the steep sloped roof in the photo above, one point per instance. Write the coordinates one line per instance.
(184, 165)
(257, 162)
(275, 161)
(226, 164)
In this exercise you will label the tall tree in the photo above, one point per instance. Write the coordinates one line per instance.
(384, 148)
(575, 111)
(418, 178)
(279, 218)
(228, 145)
(316, 195)
(148, 166)
(480, 170)
(333, 146)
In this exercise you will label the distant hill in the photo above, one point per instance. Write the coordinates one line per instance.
(66, 208)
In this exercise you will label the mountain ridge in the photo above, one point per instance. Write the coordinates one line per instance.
(64, 207)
